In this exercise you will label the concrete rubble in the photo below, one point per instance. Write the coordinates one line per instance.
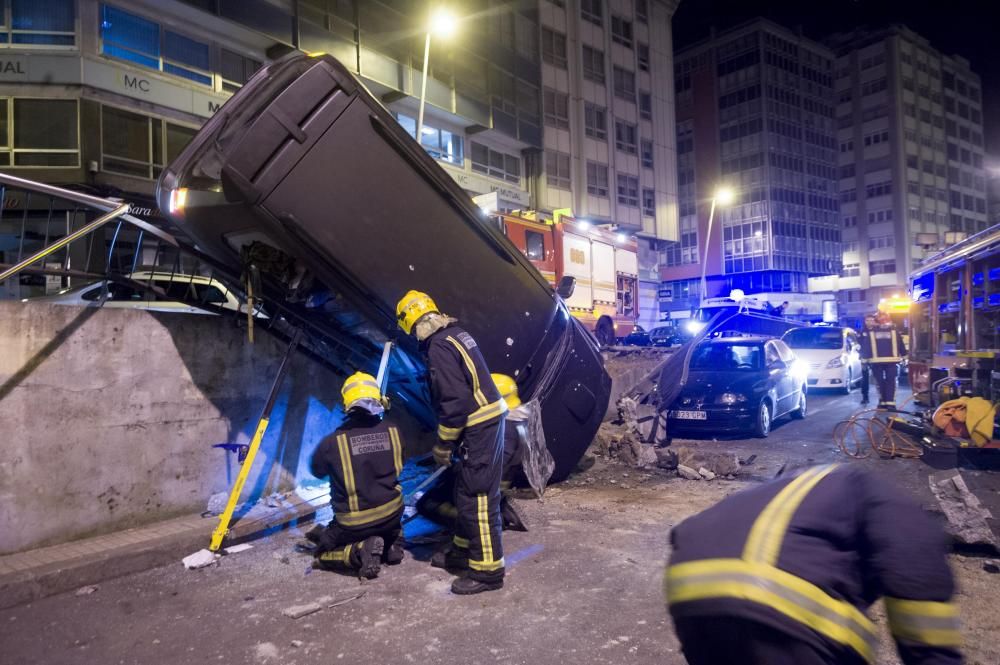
(687, 473)
(200, 559)
(966, 516)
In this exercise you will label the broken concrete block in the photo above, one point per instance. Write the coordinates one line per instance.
(86, 590)
(296, 644)
(665, 458)
(606, 439)
(687, 473)
(217, 503)
(647, 456)
(719, 463)
(200, 559)
(966, 516)
(299, 611)
(706, 474)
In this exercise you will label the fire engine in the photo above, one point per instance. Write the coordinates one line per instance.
(604, 265)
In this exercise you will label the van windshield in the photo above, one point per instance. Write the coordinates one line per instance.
(815, 338)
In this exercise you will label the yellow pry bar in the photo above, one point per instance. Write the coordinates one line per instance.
(234, 495)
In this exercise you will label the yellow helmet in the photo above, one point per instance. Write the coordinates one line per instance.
(411, 307)
(358, 386)
(508, 390)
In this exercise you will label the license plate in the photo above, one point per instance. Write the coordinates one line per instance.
(689, 415)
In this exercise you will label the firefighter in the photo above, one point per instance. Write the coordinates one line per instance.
(362, 459)
(783, 573)
(882, 347)
(437, 504)
(470, 414)
(869, 326)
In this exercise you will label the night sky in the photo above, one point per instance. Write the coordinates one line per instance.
(970, 28)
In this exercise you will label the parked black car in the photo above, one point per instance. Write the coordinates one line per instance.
(739, 385)
(638, 337)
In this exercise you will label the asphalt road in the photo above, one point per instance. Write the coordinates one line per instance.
(583, 585)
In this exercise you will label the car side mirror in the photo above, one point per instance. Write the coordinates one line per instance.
(566, 287)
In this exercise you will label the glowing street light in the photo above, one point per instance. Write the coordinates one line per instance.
(622, 238)
(723, 196)
(442, 24)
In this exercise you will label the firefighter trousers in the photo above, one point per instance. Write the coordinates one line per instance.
(884, 375)
(337, 548)
(865, 372)
(726, 640)
(478, 525)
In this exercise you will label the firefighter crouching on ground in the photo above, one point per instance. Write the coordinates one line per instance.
(883, 349)
(363, 459)
(470, 426)
(437, 504)
(781, 574)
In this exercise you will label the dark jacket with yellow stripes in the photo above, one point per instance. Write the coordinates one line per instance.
(461, 386)
(808, 555)
(363, 460)
(883, 344)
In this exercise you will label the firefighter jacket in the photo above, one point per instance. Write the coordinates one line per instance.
(461, 386)
(882, 345)
(808, 555)
(363, 460)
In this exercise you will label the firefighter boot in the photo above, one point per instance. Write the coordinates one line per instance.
(511, 518)
(394, 553)
(466, 586)
(451, 557)
(369, 557)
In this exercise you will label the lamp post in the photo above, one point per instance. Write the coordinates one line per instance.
(442, 24)
(723, 196)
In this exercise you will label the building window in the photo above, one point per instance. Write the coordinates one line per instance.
(554, 48)
(628, 190)
(621, 31)
(593, 11)
(557, 169)
(648, 202)
(39, 132)
(595, 121)
(624, 84)
(556, 108)
(646, 153)
(534, 243)
(494, 163)
(625, 137)
(129, 37)
(439, 143)
(645, 105)
(593, 64)
(138, 145)
(597, 179)
(642, 56)
(641, 11)
(882, 267)
(850, 270)
(39, 24)
(236, 70)
(881, 242)
(877, 137)
(879, 189)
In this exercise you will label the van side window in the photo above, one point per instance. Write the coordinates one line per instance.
(534, 245)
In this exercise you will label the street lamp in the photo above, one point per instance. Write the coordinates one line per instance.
(442, 24)
(723, 196)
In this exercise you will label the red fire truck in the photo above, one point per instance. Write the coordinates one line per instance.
(604, 264)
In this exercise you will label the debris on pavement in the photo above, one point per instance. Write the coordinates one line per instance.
(216, 503)
(687, 473)
(966, 516)
(200, 559)
(86, 590)
(299, 611)
(706, 474)
(718, 462)
(296, 644)
(236, 549)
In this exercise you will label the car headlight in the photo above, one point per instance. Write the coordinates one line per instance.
(835, 363)
(730, 398)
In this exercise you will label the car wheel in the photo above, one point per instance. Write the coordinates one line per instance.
(762, 426)
(605, 332)
(849, 385)
(800, 412)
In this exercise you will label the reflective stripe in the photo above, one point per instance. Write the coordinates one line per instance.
(345, 461)
(397, 450)
(486, 566)
(483, 517)
(459, 541)
(488, 412)
(768, 530)
(449, 433)
(341, 554)
(471, 366)
(361, 517)
(774, 588)
(925, 622)
(876, 358)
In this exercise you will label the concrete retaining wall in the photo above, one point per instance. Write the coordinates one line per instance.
(108, 417)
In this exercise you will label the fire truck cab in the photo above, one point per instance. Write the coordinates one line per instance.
(604, 265)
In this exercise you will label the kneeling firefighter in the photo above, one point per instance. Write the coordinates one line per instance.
(437, 504)
(470, 427)
(782, 574)
(362, 459)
